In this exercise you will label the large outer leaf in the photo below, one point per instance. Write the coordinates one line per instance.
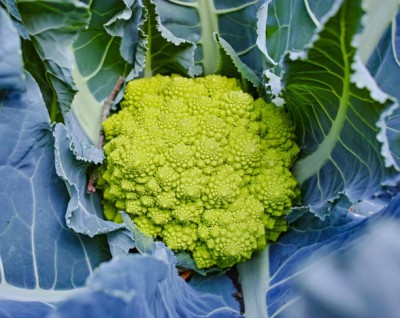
(294, 248)
(40, 258)
(294, 255)
(218, 285)
(384, 65)
(390, 137)
(231, 65)
(10, 57)
(11, 7)
(166, 53)
(362, 282)
(146, 286)
(288, 26)
(375, 22)
(53, 26)
(100, 59)
(234, 21)
(97, 53)
(84, 213)
(335, 105)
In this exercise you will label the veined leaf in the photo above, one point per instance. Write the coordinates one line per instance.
(230, 65)
(84, 213)
(98, 64)
(165, 52)
(11, 7)
(197, 21)
(375, 22)
(41, 260)
(126, 25)
(288, 26)
(317, 9)
(384, 65)
(53, 26)
(148, 286)
(390, 137)
(219, 285)
(11, 76)
(335, 104)
(35, 66)
(345, 284)
(300, 253)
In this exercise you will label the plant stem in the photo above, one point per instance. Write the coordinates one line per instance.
(54, 110)
(310, 165)
(106, 112)
(148, 72)
(209, 25)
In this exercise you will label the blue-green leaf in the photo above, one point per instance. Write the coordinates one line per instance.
(84, 213)
(100, 58)
(53, 26)
(218, 285)
(197, 21)
(148, 286)
(41, 259)
(11, 76)
(11, 7)
(166, 53)
(376, 20)
(334, 268)
(390, 137)
(230, 65)
(384, 65)
(288, 26)
(335, 104)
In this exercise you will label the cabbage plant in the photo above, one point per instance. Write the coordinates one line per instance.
(333, 65)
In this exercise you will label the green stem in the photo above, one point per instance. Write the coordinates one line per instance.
(310, 165)
(209, 25)
(54, 109)
(148, 72)
(254, 276)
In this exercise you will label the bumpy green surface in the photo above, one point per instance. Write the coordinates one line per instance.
(200, 165)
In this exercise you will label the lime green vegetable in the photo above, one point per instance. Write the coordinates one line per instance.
(200, 165)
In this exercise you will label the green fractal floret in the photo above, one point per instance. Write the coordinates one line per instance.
(200, 165)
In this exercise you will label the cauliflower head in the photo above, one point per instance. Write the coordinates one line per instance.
(200, 165)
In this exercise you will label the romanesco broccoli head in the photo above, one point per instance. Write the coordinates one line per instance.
(200, 165)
